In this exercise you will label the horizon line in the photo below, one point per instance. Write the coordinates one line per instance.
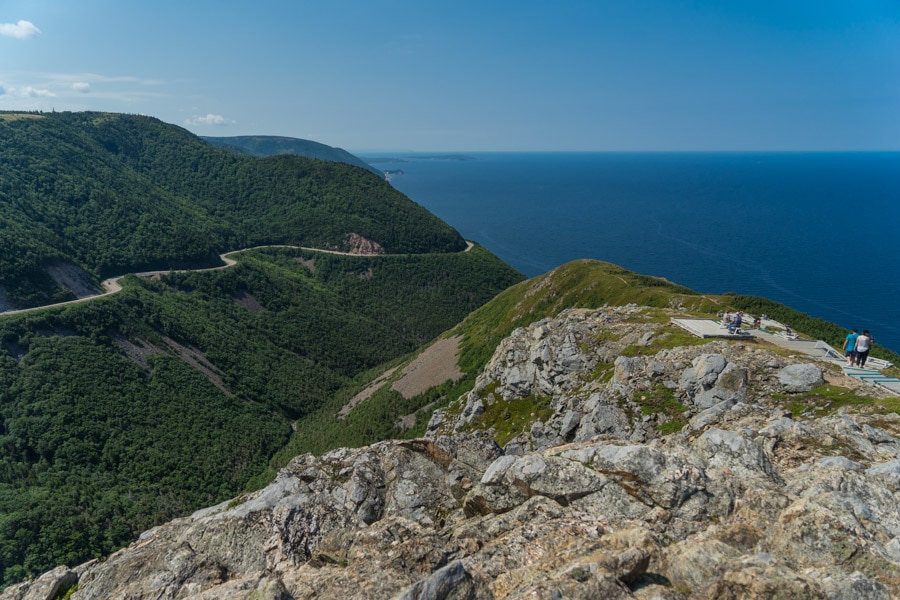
(753, 151)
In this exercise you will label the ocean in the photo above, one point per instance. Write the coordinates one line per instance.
(815, 231)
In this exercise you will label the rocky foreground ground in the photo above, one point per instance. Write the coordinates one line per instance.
(646, 470)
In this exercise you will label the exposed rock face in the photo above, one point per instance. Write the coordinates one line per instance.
(595, 501)
(72, 277)
(357, 244)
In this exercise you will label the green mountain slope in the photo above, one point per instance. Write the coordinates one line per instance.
(181, 391)
(125, 411)
(117, 193)
(267, 145)
(578, 284)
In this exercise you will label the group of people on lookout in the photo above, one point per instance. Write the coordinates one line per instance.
(856, 348)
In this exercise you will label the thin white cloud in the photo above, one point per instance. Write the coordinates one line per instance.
(20, 31)
(209, 119)
(30, 92)
(94, 78)
(68, 90)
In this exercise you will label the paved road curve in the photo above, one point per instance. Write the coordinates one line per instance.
(112, 286)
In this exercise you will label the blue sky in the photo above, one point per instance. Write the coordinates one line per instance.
(473, 75)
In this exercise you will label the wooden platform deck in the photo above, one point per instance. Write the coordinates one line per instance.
(708, 328)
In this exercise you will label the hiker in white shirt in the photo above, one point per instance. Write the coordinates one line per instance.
(863, 343)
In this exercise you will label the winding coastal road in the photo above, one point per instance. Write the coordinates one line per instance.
(112, 286)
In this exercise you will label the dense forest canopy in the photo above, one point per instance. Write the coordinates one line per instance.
(124, 412)
(116, 193)
(181, 391)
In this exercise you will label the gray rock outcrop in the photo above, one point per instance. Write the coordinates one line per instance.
(672, 474)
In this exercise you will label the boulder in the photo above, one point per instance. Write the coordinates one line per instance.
(800, 378)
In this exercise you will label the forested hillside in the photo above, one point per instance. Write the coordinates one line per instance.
(267, 145)
(116, 193)
(125, 411)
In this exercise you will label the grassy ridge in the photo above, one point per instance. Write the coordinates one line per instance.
(592, 284)
(578, 284)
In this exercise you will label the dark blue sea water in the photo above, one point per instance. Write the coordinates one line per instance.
(816, 231)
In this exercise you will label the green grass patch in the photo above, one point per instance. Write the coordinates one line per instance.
(607, 336)
(603, 372)
(661, 400)
(66, 592)
(17, 116)
(671, 426)
(665, 339)
(509, 418)
(654, 316)
(827, 399)
(891, 371)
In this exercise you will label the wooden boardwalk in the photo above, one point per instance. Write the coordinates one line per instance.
(875, 377)
(709, 328)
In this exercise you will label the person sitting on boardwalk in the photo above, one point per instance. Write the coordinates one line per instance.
(849, 347)
(726, 319)
(735, 325)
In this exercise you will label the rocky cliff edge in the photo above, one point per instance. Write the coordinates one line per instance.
(635, 464)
